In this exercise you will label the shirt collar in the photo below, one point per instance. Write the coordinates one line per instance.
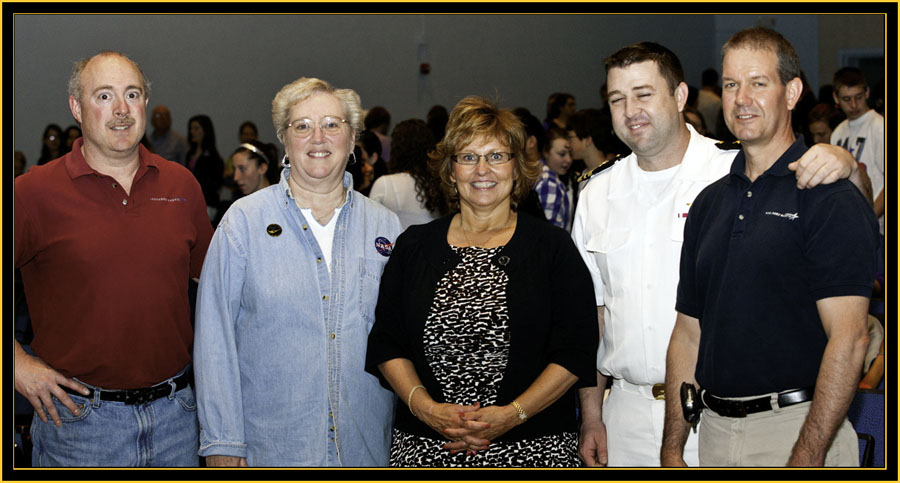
(780, 168)
(695, 171)
(77, 166)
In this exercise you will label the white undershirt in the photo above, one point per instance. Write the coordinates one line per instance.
(654, 183)
(324, 234)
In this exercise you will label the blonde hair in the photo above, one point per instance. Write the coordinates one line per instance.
(475, 117)
(304, 87)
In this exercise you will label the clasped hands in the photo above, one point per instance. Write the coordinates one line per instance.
(470, 428)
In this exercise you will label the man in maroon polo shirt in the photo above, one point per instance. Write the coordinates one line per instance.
(107, 238)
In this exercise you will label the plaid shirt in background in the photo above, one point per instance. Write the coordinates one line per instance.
(554, 198)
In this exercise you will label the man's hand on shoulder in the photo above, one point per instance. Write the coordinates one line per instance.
(823, 164)
(39, 383)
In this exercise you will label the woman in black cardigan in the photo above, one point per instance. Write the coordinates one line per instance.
(486, 319)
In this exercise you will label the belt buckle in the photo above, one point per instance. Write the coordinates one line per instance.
(736, 408)
(659, 391)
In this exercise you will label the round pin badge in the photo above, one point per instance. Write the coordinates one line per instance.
(384, 246)
(273, 229)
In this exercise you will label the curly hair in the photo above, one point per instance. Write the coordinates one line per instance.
(411, 141)
(477, 117)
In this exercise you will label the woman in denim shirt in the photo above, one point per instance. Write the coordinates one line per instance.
(286, 301)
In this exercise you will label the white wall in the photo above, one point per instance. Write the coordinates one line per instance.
(231, 66)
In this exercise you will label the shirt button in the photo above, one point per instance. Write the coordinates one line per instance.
(324, 297)
(740, 217)
(330, 415)
(305, 227)
(319, 260)
(332, 336)
(331, 428)
(749, 194)
(124, 202)
(115, 185)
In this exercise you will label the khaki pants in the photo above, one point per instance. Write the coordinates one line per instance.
(766, 439)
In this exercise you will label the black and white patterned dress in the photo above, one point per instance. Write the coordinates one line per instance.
(466, 343)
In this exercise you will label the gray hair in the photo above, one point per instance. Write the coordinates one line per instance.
(303, 88)
(75, 88)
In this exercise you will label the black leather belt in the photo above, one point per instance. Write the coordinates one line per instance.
(730, 408)
(138, 396)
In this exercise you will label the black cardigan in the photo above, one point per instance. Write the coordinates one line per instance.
(552, 316)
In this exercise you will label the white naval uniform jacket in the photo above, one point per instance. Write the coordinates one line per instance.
(632, 250)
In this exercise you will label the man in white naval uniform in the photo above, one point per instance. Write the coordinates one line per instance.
(629, 230)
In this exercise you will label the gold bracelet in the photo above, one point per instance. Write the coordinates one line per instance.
(519, 410)
(409, 399)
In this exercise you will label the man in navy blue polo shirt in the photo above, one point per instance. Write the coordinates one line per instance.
(773, 289)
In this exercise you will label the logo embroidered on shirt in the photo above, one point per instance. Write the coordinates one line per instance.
(180, 199)
(789, 216)
(384, 246)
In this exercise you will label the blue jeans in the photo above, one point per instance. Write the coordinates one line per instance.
(161, 433)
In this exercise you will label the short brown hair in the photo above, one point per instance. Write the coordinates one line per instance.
(761, 38)
(666, 60)
(849, 77)
(474, 117)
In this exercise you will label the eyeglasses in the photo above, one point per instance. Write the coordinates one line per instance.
(471, 159)
(305, 127)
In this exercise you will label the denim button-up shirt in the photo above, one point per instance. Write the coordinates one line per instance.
(280, 342)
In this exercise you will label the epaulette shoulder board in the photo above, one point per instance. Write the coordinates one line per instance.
(599, 169)
(728, 145)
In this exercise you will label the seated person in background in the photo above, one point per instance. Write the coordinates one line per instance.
(411, 191)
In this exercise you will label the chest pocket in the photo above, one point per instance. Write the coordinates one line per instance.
(610, 251)
(369, 278)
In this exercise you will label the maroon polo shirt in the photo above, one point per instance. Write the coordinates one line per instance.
(106, 272)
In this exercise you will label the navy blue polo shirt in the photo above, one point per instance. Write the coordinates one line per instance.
(756, 257)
